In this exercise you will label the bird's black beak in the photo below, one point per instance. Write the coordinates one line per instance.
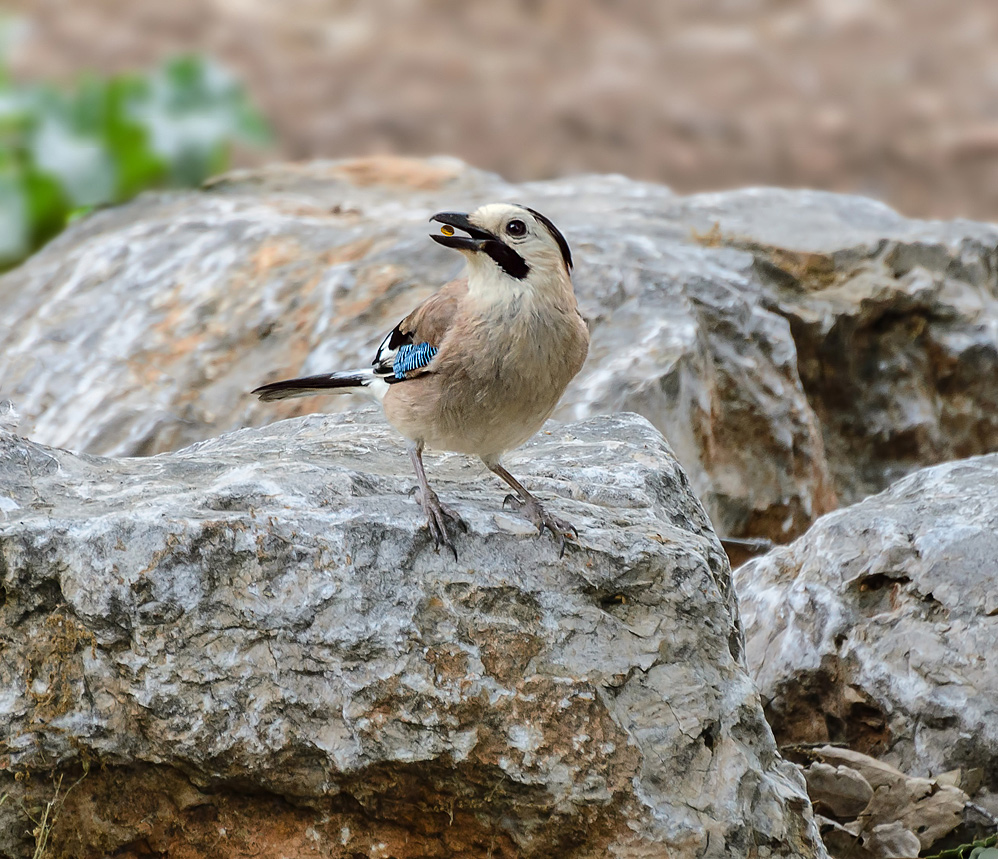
(479, 240)
(474, 241)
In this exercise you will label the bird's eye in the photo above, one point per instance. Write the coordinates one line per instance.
(516, 228)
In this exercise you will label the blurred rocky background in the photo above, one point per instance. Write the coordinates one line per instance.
(895, 99)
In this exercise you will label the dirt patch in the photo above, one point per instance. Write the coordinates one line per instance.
(400, 813)
(883, 97)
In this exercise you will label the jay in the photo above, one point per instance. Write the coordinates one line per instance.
(479, 366)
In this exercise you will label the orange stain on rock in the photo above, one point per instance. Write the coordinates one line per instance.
(350, 252)
(396, 172)
(275, 252)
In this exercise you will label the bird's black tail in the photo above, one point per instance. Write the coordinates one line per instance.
(308, 386)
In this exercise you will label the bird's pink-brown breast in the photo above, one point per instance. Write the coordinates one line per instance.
(495, 379)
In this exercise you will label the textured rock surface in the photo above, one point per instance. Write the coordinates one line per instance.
(791, 345)
(878, 627)
(255, 647)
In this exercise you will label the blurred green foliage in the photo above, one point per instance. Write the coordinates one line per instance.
(983, 849)
(64, 152)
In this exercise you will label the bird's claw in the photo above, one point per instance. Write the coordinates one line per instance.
(533, 510)
(437, 515)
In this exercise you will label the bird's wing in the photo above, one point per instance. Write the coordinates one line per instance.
(409, 348)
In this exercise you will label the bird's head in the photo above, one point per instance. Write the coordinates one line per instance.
(512, 241)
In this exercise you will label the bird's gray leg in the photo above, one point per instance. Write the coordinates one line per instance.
(437, 514)
(530, 507)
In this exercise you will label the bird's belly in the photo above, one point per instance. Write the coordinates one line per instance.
(489, 394)
(480, 420)
(491, 433)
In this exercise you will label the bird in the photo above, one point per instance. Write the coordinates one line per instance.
(480, 365)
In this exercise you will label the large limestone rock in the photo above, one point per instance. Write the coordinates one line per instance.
(791, 345)
(878, 627)
(250, 647)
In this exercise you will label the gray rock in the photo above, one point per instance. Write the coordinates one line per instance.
(876, 628)
(840, 790)
(892, 841)
(9, 418)
(791, 344)
(251, 642)
(881, 806)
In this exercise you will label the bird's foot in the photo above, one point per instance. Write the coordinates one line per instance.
(437, 514)
(533, 510)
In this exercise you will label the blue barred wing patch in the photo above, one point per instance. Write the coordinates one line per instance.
(411, 357)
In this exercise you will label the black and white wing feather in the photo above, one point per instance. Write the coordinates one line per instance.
(406, 353)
